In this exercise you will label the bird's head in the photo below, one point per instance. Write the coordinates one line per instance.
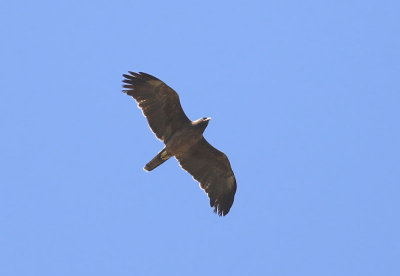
(202, 122)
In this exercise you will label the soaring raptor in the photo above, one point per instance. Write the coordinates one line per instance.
(183, 139)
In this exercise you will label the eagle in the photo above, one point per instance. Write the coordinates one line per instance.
(183, 139)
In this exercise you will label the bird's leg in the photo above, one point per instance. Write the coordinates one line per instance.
(165, 155)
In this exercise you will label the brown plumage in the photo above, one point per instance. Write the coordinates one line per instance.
(183, 139)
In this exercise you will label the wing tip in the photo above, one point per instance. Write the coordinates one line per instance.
(133, 79)
(223, 204)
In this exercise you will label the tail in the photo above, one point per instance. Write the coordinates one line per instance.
(160, 158)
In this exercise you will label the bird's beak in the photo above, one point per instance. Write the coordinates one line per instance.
(208, 119)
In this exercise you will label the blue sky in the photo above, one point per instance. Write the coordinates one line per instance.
(304, 98)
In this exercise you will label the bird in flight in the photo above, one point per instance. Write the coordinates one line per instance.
(183, 139)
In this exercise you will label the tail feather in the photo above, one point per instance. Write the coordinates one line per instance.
(160, 158)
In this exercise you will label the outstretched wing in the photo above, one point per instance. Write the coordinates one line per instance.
(211, 168)
(160, 103)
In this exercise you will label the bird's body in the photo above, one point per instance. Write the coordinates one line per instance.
(183, 139)
(180, 142)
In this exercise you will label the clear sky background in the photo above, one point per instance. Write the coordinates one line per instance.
(305, 101)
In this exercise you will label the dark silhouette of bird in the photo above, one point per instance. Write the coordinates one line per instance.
(183, 139)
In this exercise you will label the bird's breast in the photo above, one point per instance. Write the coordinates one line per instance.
(182, 140)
